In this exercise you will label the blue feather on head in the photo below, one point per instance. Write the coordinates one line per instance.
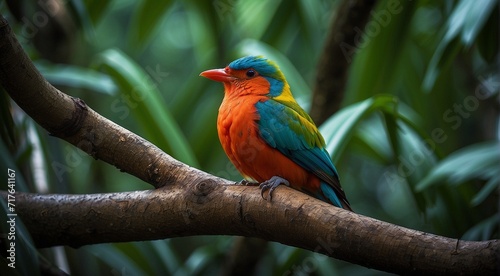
(266, 68)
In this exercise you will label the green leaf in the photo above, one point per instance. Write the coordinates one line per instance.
(463, 26)
(488, 38)
(201, 258)
(116, 258)
(149, 258)
(77, 77)
(406, 139)
(442, 59)
(338, 130)
(95, 9)
(88, 14)
(489, 187)
(7, 161)
(146, 20)
(380, 54)
(370, 143)
(478, 161)
(167, 254)
(483, 230)
(475, 14)
(141, 96)
(247, 24)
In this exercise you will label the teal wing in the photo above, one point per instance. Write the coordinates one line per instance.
(287, 128)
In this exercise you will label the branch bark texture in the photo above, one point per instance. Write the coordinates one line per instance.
(198, 206)
(188, 202)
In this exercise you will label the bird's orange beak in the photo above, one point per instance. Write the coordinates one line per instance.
(217, 75)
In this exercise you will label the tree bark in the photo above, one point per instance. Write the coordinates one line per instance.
(198, 206)
(187, 201)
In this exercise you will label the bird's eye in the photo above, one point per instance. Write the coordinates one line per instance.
(250, 73)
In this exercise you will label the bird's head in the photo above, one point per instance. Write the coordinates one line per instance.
(254, 75)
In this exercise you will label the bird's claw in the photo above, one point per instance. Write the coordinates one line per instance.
(272, 184)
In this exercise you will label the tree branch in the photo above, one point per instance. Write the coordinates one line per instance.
(197, 206)
(191, 202)
(337, 55)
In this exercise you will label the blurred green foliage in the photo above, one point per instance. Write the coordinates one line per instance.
(416, 142)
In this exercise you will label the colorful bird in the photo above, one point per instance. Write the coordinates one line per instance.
(268, 137)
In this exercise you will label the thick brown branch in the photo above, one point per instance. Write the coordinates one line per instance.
(197, 206)
(337, 55)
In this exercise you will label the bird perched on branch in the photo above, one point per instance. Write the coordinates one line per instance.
(268, 137)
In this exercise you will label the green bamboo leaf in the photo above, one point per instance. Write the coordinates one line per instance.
(145, 22)
(405, 141)
(83, 16)
(414, 155)
(115, 258)
(488, 40)
(201, 258)
(94, 9)
(478, 161)
(287, 258)
(338, 130)
(149, 258)
(369, 141)
(476, 13)
(461, 30)
(442, 59)
(7, 161)
(245, 19)
(169, 257)
(380, 54)
(77, 77)
(483, 230)
(143, 99)
(489, 187)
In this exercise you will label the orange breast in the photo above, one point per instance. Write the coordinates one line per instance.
(238, 132)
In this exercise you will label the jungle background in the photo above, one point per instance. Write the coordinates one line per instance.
(415, 139)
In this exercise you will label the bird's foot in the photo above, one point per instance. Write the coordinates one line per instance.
(272, 184)
(245, 182)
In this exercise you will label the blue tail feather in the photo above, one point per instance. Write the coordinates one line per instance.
(330, 194)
